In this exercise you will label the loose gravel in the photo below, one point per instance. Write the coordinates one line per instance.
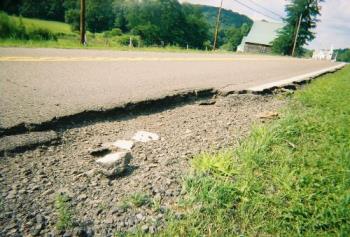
(100, 206)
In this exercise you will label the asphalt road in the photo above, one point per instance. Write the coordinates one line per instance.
(37, 85)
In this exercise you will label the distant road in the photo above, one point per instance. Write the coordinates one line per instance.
(37, 85)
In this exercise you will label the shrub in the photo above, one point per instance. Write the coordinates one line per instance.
(42, 34)
(125, 40)
(9, 28)
(64, 214)
(112, 33)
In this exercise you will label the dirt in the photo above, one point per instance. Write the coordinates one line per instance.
(31, 181)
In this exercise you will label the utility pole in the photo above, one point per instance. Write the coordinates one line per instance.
(82, 21)
(296, 35)
(217, 26)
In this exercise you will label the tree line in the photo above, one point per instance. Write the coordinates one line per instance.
(157, 22)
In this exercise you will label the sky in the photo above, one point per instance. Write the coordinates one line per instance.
(332, 30)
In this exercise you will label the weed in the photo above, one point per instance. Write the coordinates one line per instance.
(156, 204)
(2, 205)
(139, 199)
(64, 213)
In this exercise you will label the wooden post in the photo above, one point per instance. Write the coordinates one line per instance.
(217, 26)
(296, 35)
(82, 21)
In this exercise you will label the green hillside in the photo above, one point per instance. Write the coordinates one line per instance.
(228, 17)
(53, 26)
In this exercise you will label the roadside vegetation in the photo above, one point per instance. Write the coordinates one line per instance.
(14, 28)
(343, 55)
(290, 177)
(154, 25)
(64, 213)
(112, 23)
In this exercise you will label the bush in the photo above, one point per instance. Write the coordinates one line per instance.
(112, 33)
(125, 40)
(11, 29)
(72, 17)
(41, 34)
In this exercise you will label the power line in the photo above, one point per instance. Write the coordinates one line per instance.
(266, 9)
(252, 9)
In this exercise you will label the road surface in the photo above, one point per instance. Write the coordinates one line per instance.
(37, 85)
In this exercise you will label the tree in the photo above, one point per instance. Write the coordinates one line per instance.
(173, 23)
(196, 28)
(309, 10)
(120, 11)
(149, 33)
(49, 10)
(164, 17)
(233, 36)
(72, 13)
(343, 55)
(10, 6)
(99, 15)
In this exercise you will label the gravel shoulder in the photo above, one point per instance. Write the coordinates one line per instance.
(29, 182)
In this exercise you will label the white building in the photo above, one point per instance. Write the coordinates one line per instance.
(324, 54)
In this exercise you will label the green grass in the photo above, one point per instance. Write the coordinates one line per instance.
(72, 42)
(54, 26)
(66, 38)
(290, 177)
(137, 200)
(64, 213)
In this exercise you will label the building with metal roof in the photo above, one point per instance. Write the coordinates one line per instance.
(260, 37)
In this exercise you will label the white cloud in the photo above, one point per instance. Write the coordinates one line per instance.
(333, 28)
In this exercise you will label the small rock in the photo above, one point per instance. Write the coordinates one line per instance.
(124, 144)
(114, 164)
(109, 220)
(79, 232)
(67, 234)
(145, 228)
(142, 136)
(91, 173)
(179, 216)
(207, 102)
(139, 216)
(89, 232)
(268, 115)
(82, 197)
(99, 151)
(36, 230)
(48, 192)
(12, 194)
(40, 219)
(152, 229)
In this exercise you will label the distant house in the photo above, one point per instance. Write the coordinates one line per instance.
(260, 37)
(324, 54)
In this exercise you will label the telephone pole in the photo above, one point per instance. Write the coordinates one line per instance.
(296, 35)
(82, 21)
(217, 26)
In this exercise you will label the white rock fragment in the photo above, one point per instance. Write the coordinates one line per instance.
(143, 136)
(114, 164)
(124, 144)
